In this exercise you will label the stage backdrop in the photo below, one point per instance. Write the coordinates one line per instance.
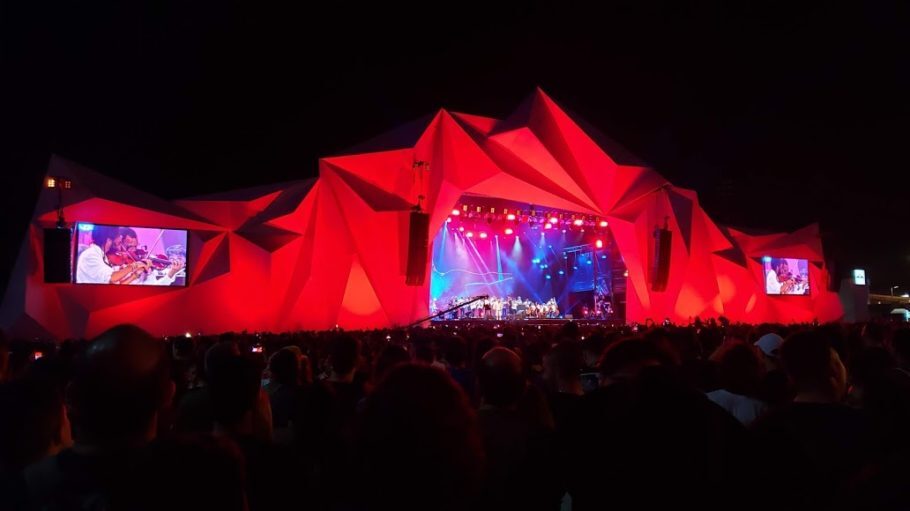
(333, 251)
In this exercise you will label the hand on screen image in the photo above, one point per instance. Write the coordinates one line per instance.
(176, 266)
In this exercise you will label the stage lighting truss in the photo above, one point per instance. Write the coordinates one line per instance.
(548, 219)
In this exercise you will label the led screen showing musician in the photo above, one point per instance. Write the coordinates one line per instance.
(134, 256)
(785, 276)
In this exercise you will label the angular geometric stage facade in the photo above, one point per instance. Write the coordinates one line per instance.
(333, 251)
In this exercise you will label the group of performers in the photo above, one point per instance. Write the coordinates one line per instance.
(500, 308)
(115, 257)
(510, 309)
(781, 280)
(603, 308)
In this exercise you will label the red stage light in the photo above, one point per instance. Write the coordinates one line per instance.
(461, 229)
(483, 235)
(599, 244)
(579, 222)
(455, 212)
(553, 220)
(603, 223)
(548, 226)
(449, 219)
(510, 216)
(470, 234)
(509, 230)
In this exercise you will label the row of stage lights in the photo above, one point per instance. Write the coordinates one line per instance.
(549, 220)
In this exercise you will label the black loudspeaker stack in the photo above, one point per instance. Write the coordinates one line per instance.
(57, 253)
(660, 274)
(418, 246)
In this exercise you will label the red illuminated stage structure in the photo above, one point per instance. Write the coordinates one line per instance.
(334, 250)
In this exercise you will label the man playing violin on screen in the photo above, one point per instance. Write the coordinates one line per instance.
(93, 265)
(157, 271)
(782, 281)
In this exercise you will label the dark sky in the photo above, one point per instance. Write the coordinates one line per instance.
(778, 113)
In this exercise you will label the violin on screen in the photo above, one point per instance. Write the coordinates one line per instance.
(125, 256)
(158, 261)
(120, 257)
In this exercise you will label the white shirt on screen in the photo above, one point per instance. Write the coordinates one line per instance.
(153, 280)
(772, 286)
(91, 268)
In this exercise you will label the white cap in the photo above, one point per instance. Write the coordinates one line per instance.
(769, 344)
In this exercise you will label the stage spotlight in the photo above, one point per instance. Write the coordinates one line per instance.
(562, 272)
(563, 231)
(578, 222)
(548, 277)
(470, 234)
(461, 229)
(449, 219)
(599, 244)
(625, 273)
(553, 220)
(483, 235)
(603, 223)
(509, 231)
(536, 260)
(510, 217)
(455, 212)
(58, 182)
(548, 226)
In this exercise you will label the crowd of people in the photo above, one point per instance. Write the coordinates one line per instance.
(713, 415)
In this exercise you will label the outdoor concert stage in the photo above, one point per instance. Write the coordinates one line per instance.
(537, 205)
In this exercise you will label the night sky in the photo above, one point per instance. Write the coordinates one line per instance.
(778, 113)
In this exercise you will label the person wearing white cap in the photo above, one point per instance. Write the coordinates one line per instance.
(769, 344)
(775, 387)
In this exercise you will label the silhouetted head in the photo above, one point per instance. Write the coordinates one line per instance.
(33, 423)
(741, 368)
(456, 352)
(626, 358)
(814, 366)
(869, 367)
(284, 367)
(391, 356)
(563, 365)
(900, 343)
(501, 379)
(119, 385)
(344, 352)
(234, 384)
(419, 443)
